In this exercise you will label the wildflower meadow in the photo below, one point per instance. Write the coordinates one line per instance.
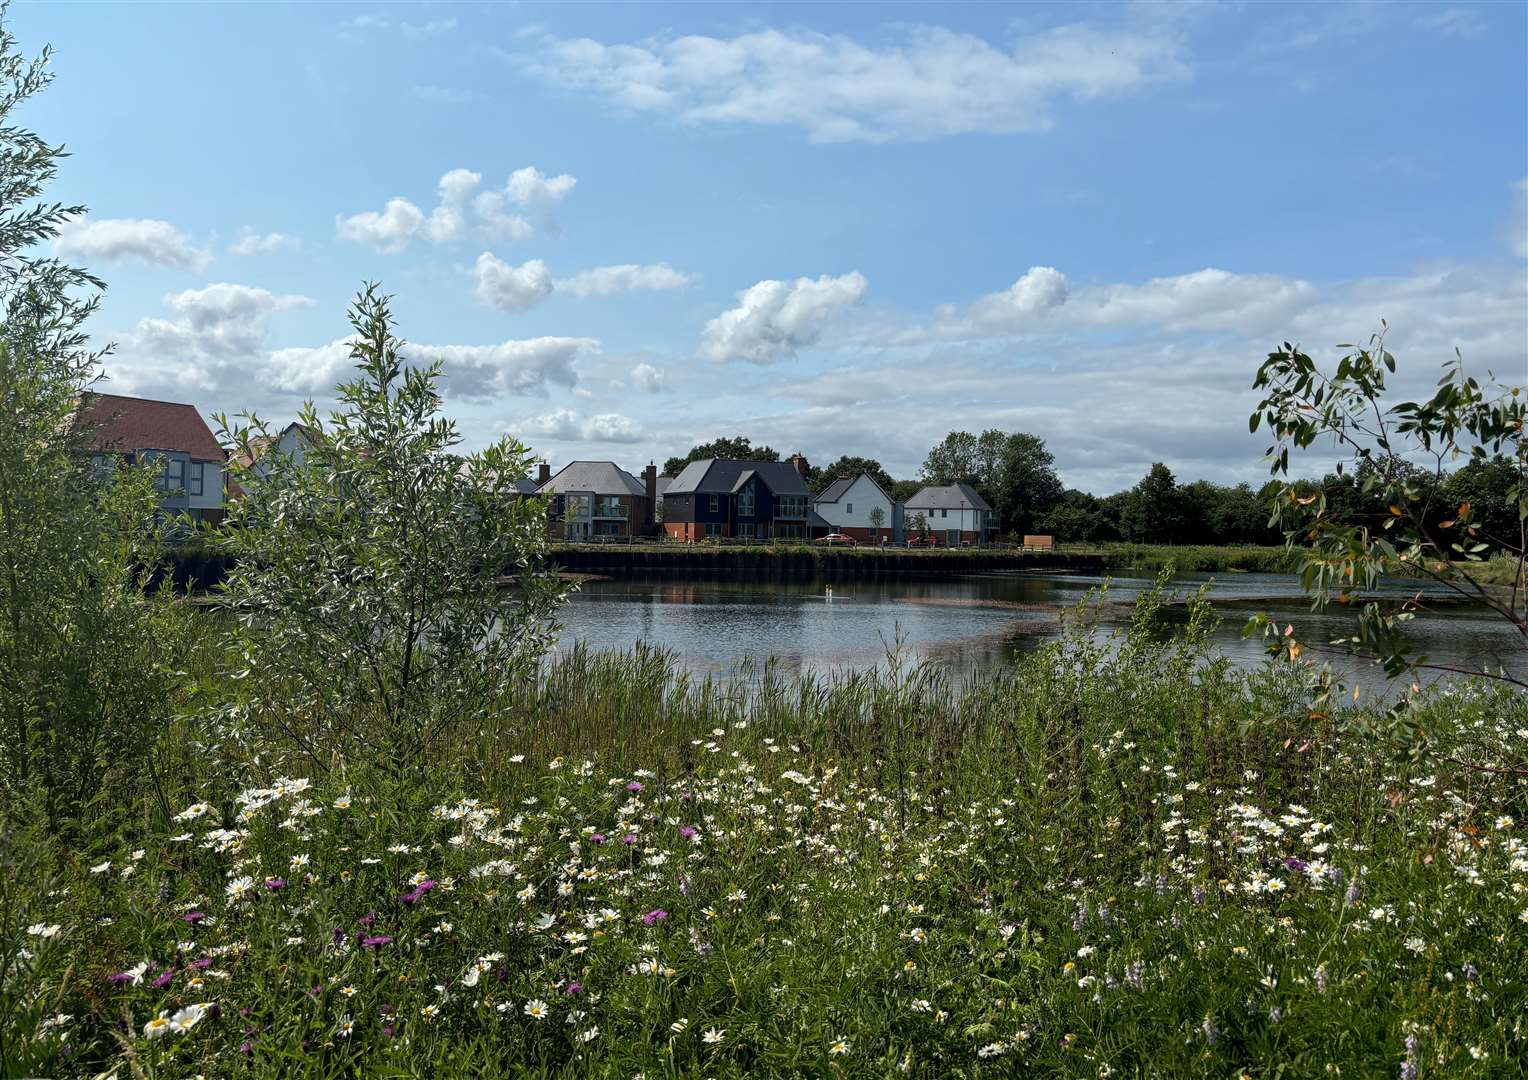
(1119, 860)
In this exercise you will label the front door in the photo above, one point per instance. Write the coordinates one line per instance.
(952, 538)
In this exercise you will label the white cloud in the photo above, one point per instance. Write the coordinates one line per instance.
(1042, 299)
(525, 366)
(215, 336)
(253, 243)
(775, 318)
(627, 277)
(1453, 21)
(649, 378)
(387, 232)
(934, 82)
(530, 185)
(145, 239)
(565, 425)
(512, 288)
(457, 211)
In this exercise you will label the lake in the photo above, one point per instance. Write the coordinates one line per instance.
(975, 623)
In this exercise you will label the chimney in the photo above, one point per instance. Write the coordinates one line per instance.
(800, 463)
(543, 474)
(650, 482)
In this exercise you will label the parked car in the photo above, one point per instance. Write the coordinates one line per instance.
(921, 541)
(839, 538)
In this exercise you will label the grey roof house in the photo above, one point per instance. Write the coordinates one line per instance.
(954, 513)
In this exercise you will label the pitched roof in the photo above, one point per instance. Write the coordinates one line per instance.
(725, 475)
(663, 484)
(835, 491)
(948, 497)
(599, 477)
(124, 424)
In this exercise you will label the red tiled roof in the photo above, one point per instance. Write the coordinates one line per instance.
(129, 423)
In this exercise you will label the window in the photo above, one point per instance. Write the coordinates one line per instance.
(944, 513)
(790, 506)
(172, 475)
(849, 507)
(716, 503)
(196, 476)
(745, 502)
(610, 506)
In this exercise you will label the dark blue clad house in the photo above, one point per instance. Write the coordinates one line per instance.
(722, 497)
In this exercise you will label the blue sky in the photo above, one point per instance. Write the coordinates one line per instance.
(835, 229)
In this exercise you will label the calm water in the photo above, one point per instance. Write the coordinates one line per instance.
(975, 622)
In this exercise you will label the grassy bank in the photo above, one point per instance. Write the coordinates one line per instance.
(1104, 863)
(1197, 558)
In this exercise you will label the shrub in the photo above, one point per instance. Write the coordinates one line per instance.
(371, 615)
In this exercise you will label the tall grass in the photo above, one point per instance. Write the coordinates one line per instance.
(1120, 858)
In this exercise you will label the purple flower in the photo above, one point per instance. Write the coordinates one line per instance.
(214, 1010)
(419, 890)
(275, 883)
(247, 1048)
(597, 838)
(166, 977)
(634, 786)
(376, 942)
(339, 935)
(1294, 864)
(655, 916)
(202, 964)
(385, 1010)
(688, 832)
(369, 918)
(629, 838)
(119, 977)
(387, 1030)
(193, 917)
(575, 988)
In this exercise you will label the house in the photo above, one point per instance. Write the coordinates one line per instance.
(589, 499)
(726, 497)
(293, 441)
(169, 435)
(954, 513)
(850, 505)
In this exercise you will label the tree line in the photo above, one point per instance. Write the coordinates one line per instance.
(1015, 472)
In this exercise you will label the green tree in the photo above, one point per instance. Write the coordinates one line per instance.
(952, 461)
(736, 448)
(1026, 486)
(87, 660)
(877, 520)
(1153, 510)
(371, 613)
(851, 466)
(1079, 518)
(1383, 443)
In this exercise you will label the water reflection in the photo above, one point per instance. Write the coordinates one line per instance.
(974, 623)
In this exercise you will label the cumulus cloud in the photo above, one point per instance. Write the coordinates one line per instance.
(566, 425)
(386, 232)
(626, 277)
(460, 208)
(933, 82)
(775, 318)
(253, 243)
(525, 366)
(649, 378)
(147, 240)
(212, 338)
(471, 373)
(1043, 299)
(512, 288)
